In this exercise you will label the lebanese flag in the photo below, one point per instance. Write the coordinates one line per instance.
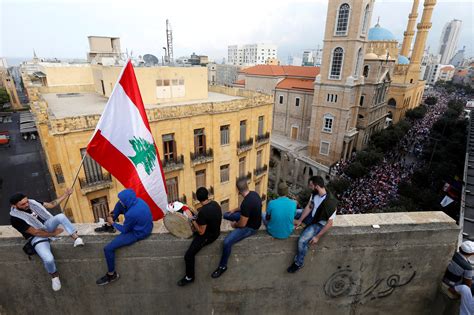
(123, 144)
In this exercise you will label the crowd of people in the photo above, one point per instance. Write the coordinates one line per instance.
(376, 189)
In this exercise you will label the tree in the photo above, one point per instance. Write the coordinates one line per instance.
(338, 185)
(4, 97)
(369, 157)
(431, 100)
(416, 113)
(356, 170)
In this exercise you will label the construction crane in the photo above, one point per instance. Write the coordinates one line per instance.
(169, 42)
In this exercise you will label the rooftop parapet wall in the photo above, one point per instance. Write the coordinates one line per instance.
(355, 269)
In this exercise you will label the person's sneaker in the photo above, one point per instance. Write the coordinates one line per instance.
(107, 279)
(78, 242)
(105, 229)
(56, 283)
(218, 272)
(185, 281)
(293, 268)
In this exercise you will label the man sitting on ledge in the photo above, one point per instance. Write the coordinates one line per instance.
(322, 210)
(246, 222)
(37, 225)
(138, 225)
(280, 214)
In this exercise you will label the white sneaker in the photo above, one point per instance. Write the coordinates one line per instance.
(78, 242)
(56, 284)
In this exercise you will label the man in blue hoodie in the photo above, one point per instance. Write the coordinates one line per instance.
(137, 226)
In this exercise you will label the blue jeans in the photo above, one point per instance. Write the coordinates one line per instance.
(43, 249)
(120, 240)
(303, 242)
(234, 237)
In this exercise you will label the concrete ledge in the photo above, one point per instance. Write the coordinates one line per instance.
(355, 269)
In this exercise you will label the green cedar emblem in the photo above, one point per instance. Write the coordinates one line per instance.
(145, 153)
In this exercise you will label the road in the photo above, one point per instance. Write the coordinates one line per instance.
(21, 170)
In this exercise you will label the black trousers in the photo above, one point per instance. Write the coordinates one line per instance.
(197, 244)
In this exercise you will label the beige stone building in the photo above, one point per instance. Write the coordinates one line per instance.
(205, 137)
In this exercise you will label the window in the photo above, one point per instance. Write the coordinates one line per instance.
(328, 121)
(366, 71)
(361, 101)
(336, 63)
(200, 179)
(259, 159)
(166, 82)
(181, 81)
(103, 88)
(92, 169)
(324, 149)
(224, 173)
(260, 125)
(358, 61)
(169, 146)
(174, 82)
(297, 101)
(225, 205)
(172, 187)
(243, 130)
(159, 82)
(225, 134)
(365, 21)
(280, 99)
(100, 208)
(58, 171)
(342, 19)
(199, 141)
(242, 167)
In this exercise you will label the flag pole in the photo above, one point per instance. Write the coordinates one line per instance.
(75, 178)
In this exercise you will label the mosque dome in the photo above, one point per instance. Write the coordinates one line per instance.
(371, 56)
(402, 60)
(378, 33)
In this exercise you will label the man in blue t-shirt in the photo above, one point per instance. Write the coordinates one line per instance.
(280, 214)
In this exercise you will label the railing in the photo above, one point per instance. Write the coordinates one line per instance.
(260, 171)
(101, 179)
(247, 177)
(243, 146)
(210, 190)
(262, 138)
(173, 164)
(202, 157)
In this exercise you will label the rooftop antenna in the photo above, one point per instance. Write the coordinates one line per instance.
(169, 42)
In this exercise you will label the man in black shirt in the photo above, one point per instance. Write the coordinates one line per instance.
(36, 224)
(208, 228)
(246, 222)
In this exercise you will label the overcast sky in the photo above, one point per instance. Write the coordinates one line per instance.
(60, 28)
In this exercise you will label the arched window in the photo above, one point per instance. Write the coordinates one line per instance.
(366, 71)
(366, 20)
(336, 63)
(358, 61)
(328, 122)
(342, 19)
(392, 102)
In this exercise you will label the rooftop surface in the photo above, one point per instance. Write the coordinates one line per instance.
(83, 104)
(278, 71)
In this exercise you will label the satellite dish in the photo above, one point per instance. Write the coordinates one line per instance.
(150, 60)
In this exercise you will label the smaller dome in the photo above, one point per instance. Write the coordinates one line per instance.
(378, 33)
(402, 60)
(370, 56)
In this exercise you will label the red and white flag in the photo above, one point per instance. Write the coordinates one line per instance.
(123, 144)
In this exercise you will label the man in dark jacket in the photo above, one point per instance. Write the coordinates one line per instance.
(319, 214)
(137, 226)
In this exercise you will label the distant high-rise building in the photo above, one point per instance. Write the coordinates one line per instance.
(449, 40)
(458, 58)
(250, 55)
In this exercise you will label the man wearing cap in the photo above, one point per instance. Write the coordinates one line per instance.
(207, 226)
(459, 270)
(280, 214)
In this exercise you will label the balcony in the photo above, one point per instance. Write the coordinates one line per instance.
(247, 177)
(211, 194)
(101, 181)
(262, 139)
(174, 164)
(244, 145)
(259, 172)
(202, 157)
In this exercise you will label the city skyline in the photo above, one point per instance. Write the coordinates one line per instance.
(291, 26)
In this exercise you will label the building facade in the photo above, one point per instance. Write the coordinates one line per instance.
(205, 137)
(104, 50)
(449, 40)
(251, 54)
